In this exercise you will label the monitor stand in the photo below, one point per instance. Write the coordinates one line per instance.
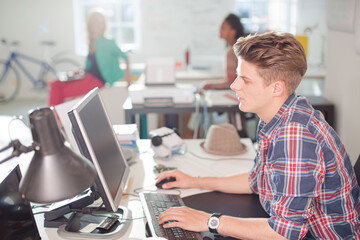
(83, 225)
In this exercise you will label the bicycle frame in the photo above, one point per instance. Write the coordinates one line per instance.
(43, 67)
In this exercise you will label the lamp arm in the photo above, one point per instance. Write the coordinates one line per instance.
(18, 149)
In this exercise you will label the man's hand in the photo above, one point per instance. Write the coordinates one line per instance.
(185, 218)
(182, 180)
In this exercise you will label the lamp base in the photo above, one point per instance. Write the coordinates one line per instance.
(78, 203)
(84, 225)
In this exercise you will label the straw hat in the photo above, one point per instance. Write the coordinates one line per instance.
(223, 139)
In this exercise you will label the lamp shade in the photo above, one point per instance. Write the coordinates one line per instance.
(56, 172)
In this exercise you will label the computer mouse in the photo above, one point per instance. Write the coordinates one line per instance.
(165, 180)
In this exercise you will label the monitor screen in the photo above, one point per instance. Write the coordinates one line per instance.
(16, 218)
(96, 140)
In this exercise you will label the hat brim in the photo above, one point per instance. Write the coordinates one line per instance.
(221, 153)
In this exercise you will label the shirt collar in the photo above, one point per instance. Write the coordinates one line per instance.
(265, 130)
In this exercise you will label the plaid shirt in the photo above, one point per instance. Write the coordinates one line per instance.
(304, 176)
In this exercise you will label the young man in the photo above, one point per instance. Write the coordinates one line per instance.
(302, 173)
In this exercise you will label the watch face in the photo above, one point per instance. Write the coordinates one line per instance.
(214, 222)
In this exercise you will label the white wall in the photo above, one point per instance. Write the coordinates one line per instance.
(169, 29)
(342, 87)
(31, 22)
(165, 30)
(311, 15)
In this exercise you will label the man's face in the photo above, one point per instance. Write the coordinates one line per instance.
(254, 96)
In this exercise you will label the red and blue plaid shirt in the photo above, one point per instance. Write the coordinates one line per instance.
(304, 176)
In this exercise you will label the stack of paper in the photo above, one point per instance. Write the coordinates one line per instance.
(127, 134)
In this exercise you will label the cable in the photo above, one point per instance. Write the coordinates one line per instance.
(197, 118)
(40, 212)
(19, 117)
(216, 159)
(221, 159)
(140, 188)
(130, 194)
(206, 118)
(40, 206)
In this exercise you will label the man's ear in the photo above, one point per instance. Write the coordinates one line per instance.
(279, 88)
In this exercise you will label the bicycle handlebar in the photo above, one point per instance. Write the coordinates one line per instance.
(48, 43)
(14, 43)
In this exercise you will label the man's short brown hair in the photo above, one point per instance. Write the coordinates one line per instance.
(278, 56)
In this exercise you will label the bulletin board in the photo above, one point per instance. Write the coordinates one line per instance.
(344, 15)
(341, 15)
(186, 24)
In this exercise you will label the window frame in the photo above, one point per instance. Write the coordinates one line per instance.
(274, 20)
(115, 24)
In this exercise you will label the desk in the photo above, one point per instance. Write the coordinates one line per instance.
(143, 176)
(198, 77)
(216, 101)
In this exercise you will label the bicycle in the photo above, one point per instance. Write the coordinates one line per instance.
(49, 68)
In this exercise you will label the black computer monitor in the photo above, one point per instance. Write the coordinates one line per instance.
(96, 140)
(16, 218)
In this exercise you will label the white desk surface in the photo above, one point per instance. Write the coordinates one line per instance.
(199, 75)
(141, 172)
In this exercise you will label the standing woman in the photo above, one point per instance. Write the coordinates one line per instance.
(102, 64)
(231, 29)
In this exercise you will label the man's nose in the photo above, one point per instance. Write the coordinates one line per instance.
(236, 84)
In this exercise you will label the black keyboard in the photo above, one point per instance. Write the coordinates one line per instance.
(156, 203)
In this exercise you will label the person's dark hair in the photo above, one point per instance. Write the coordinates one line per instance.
(276, 55)
(235, 23)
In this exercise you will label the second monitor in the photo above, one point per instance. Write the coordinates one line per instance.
(96, 140)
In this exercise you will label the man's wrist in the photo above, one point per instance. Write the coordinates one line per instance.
(214, 222)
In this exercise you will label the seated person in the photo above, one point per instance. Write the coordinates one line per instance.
(102, 64)
(302, 172)
(231, 29)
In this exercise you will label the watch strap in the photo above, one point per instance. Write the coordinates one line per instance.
(217, 215)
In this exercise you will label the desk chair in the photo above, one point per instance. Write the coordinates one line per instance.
(357, 169)
(113, 98)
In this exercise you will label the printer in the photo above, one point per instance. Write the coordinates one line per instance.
(159, 87)
(166, 95)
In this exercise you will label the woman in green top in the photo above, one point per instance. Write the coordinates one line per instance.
(102, 64)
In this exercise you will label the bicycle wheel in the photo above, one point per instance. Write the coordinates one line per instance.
(9, 82)
(62, 65)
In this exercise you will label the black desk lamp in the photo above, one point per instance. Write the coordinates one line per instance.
(55, 173)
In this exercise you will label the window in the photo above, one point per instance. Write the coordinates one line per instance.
(122, 19)
(259, 16)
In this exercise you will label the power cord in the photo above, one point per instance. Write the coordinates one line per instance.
(197, 118)
(220, 159)
(138, 190)
(20, 118)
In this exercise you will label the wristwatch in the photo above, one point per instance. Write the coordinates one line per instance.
(214, 222)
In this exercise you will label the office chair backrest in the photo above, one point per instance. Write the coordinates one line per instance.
(357, 169)
(113, 98)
